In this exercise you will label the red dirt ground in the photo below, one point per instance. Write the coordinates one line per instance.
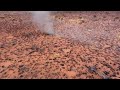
(86, 45)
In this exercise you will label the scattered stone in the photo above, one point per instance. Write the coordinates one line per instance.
(92, 69)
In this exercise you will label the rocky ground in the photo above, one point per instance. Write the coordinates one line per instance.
(86, 45)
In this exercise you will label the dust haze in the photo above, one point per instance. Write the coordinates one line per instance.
(43, 21)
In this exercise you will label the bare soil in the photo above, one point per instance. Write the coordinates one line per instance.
(86, 45)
